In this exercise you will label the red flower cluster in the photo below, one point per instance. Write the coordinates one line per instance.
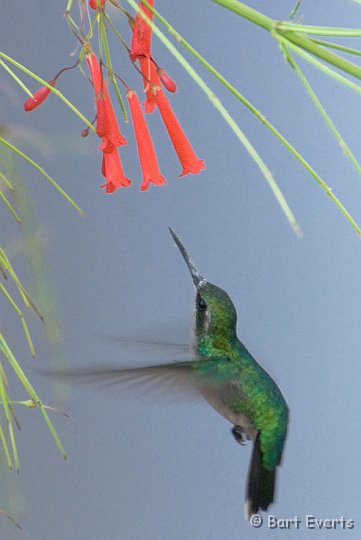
(107, 128)
(153, 77)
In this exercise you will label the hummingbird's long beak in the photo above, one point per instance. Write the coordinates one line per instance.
(197, 277)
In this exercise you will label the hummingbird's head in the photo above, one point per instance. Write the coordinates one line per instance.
(215, 317)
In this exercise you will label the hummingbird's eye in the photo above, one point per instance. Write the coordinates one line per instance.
(201, 304)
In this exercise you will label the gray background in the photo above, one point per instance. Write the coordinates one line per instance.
(154, 467)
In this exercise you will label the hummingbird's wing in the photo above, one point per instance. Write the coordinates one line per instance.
(148, 345)
(175, 377)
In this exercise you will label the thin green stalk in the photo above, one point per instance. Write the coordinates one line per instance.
(119, 36)
(69, 6)
(5, 263)
(278, 27)
(295, 9)
(30, 390)
(346, 149)
(2, 435)
(14, 447)
(337, 47)
(52, 88)
(7, 182)
(41, 170)
(5, 401)
(226, 117)
(21, 316)
(319, 30)
(9, 206)
(5, 448)
(3, 375)
(319, 65)
(16, 421)
(16, 78)
(104, 38)
(74, 28)
(248, 13)
(327, 56)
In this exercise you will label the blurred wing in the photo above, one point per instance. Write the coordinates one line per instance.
(173, 378)
(148, 345)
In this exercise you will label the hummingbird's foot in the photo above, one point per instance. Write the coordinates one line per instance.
(239, 435)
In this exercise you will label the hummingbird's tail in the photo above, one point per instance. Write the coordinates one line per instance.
(261, 483)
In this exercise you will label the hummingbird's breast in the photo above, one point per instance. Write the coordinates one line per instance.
(218, 398)
(221, 397)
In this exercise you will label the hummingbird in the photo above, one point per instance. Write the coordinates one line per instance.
(225, 373)
(236, 386)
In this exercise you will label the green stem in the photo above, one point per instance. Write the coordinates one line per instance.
(7, 182)
(16, 78)
(21, 316)
(69, 6)
(9, 206)
(5, 448)
(103, 34)
(346, 149)
(5, 263)
(119, 36)
(337, 47)
(319, 65)
(4, 398)
(288, 32)
(30, 390)
(44, 173)
(320, 30)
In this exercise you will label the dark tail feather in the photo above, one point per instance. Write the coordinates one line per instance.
(261, 483)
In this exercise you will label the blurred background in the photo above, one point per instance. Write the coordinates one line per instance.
(160, 467)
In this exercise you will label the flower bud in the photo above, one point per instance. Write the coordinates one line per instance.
(166, 81)
(39, 96)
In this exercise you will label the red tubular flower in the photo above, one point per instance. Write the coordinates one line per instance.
(149, 72)
(107, 125)
(106, 147)
(142, 34)
(183, 148)
(39, 96)
(113, 171)
(147, 155)
(166, 81)
(94, 3)
(101, 127)
(112, 129)
(95, 72)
